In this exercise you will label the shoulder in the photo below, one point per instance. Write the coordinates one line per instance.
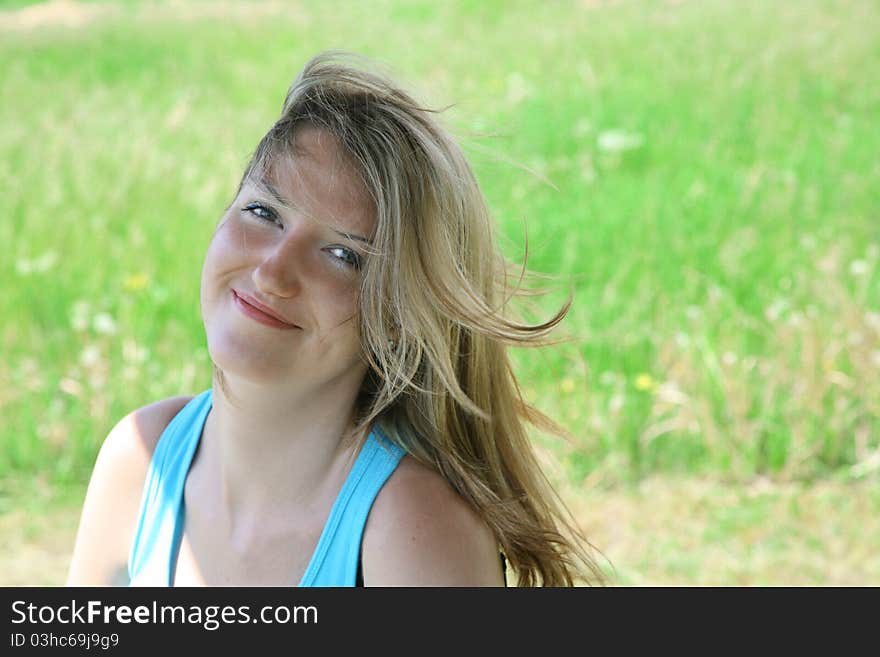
(109, 514)
(128, 448)
(420, 532)
(136, 435)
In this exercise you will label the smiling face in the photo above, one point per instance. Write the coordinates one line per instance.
(292, 243)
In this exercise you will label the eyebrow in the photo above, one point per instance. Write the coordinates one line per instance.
(286, 203)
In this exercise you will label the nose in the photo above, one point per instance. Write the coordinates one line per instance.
(279, 272)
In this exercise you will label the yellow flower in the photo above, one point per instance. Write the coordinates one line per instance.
(567, 385)
(644, 382)
(136, 282)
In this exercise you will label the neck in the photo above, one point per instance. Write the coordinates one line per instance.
(268, 448)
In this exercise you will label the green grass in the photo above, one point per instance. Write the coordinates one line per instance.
(714, 174)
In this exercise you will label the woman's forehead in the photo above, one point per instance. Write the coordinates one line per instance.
(317, 177)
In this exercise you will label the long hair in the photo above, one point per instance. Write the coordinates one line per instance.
(435, 317)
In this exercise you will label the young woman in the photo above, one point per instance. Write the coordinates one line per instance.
(364, 426)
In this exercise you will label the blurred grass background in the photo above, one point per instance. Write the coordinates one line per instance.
(705, 173)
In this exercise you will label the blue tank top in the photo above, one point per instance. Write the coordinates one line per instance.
(159, 530)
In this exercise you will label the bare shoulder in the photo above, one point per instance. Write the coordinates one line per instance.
(109, 513)
(140, 430)
(421, 532)
(128, 448)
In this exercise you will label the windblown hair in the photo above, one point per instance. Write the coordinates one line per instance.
(434, 313)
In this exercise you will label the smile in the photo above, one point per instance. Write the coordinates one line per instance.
(258, 315)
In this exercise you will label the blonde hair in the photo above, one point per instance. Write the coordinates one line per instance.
(434, 313)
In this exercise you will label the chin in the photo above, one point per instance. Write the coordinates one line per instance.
(238, 357)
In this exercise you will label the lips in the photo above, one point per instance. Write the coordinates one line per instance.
(260, 312)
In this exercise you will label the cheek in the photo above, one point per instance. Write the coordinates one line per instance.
(221, 253)
(336, 307)
(209, 269)
(217, 259)
(341, 302)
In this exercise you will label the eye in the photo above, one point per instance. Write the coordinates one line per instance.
(262, 212)
(347, 256)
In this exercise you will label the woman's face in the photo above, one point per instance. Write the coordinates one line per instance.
(301, 261)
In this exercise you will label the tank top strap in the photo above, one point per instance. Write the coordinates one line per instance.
(160, 521)
(335, 560)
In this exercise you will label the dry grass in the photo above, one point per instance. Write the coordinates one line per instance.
(689, 532)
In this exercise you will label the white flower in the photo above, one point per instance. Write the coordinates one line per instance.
(774, 311)
(90, 355)
(615, 141)
(104, 324)
(518, 88)
(44, 262)
(858, 268)
(23, 266)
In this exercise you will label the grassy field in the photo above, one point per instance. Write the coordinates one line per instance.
(704, 173)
